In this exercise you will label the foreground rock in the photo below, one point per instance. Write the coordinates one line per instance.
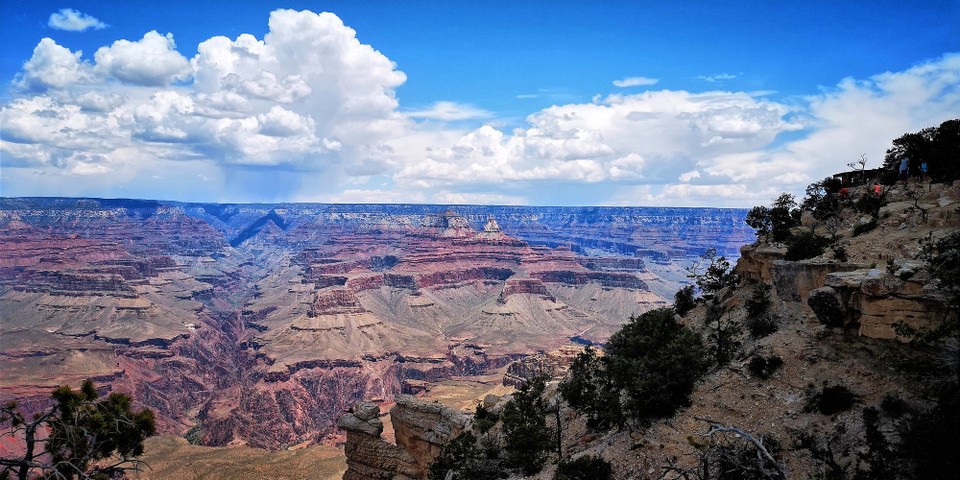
(421, 429)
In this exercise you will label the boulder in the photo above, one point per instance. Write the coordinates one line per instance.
(421, 429)
(828, 307)
(756, 261)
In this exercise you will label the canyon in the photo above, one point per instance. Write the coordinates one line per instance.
(842, 320)
(259, 325)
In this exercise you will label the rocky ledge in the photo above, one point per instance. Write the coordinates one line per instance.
(421, 429)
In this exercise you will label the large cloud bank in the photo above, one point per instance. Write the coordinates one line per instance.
(310, 113)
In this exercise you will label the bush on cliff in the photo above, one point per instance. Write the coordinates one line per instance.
(822, 199)
(589, 390)
(759, 301)
(526, 437)
(763, 367)
(760, 322)
(648, 372)
(463, 459)
(774, 223)
(78, 436)
(806, 245)
(584, 468)
(484, 419)
(723, 333)
(684, 301)
(711, 273)
(831, 399)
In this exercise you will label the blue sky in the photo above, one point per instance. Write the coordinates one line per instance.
(637, 103)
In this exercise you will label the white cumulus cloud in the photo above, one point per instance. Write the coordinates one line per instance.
(635, 82)
(53, 67)
(150, 61)
(73, 21)
(450, 111)
(648, 137)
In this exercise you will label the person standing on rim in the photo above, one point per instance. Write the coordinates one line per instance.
(904, 168)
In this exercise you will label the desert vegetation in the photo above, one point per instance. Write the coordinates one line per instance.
(522, 441)
(78, 436)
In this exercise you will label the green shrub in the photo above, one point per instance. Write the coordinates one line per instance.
(526, 437)
(774, 223)
(717, 275)
(649, 371)
(821, 199)
(759, 321)
(654, 362)
(870, 204)
(762, 325)
(764, 367)
(938, 146)
(78, 434)
(683, 301)
(806, 245)
(839, 253)
(831, 400)
(589, 390)
(759, 301)
(584, 468)
(465, 459)
(484, 419)
(722, 333)
(894, 406)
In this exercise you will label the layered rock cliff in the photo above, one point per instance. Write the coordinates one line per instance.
(259, 324)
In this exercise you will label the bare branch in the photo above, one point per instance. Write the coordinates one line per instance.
(717, 427)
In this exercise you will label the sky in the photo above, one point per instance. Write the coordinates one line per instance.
(723, 103)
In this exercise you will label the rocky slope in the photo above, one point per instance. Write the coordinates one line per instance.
(259, 324)
(836, 320)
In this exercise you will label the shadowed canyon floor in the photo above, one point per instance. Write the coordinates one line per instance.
(259, 324)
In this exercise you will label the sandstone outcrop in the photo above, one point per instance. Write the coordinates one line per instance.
(849, 295)
(854, 294)
(877, 301)
(756, 261)
(793, 281)
(421, 428)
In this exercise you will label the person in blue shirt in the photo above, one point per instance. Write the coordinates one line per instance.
(904, 168)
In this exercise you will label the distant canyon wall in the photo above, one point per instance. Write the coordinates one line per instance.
(260, 324)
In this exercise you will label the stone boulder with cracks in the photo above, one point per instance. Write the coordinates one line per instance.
(421, 428)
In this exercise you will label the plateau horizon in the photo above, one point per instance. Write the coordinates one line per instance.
(120, 202)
